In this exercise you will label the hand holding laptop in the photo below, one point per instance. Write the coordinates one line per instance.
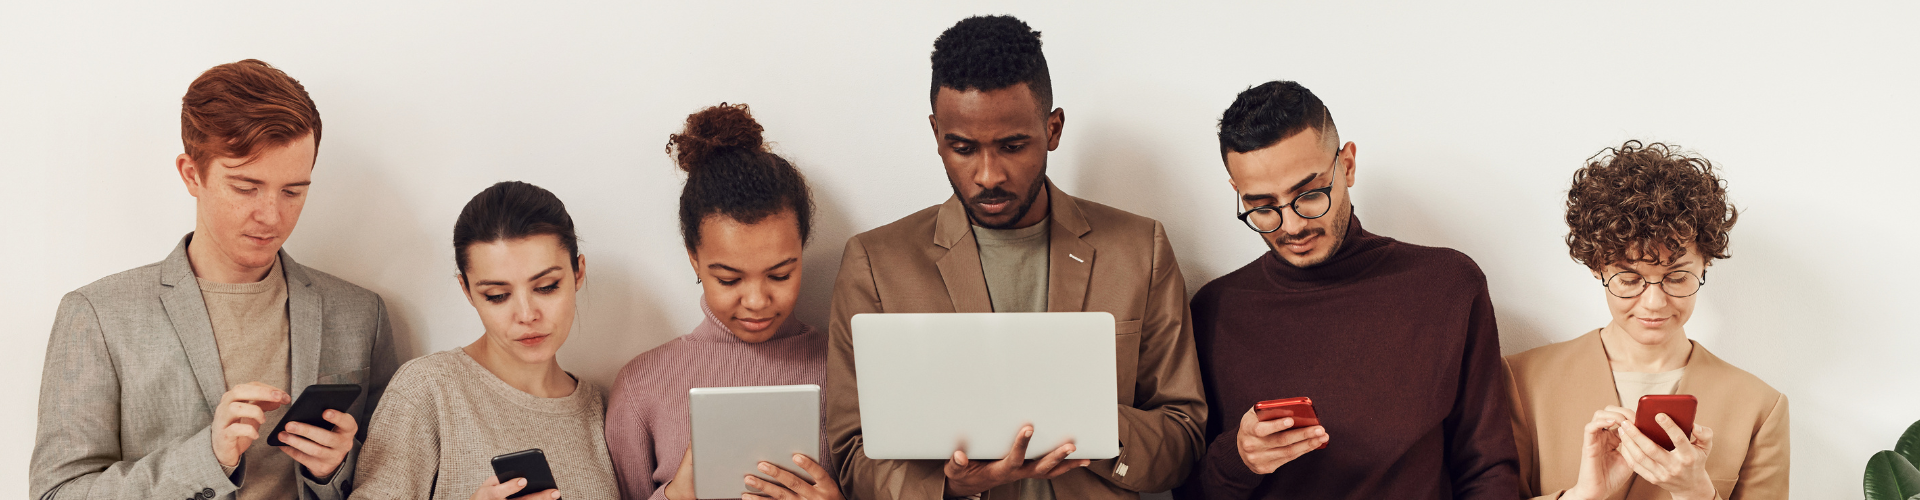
(967, 477)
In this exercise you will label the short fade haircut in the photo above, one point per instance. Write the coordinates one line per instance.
(989, 53)
(236, 109)
(1630, 203)
(1263, 115)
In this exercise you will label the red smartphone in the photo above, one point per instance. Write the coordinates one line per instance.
(1301, 409)
(1679, 407)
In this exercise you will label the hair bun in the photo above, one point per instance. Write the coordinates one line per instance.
(713, 131)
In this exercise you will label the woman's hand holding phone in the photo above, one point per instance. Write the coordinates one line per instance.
(1681, 472)
(493, 489)
(1603, 470)
(793, 487)
(1264, 446)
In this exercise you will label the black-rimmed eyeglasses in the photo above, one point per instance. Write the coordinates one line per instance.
(1313, 204)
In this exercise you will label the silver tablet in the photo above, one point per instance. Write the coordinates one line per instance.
(736, 428)
(934, 383)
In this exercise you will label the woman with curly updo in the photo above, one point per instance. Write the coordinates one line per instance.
(745, 214)
(1648, 220)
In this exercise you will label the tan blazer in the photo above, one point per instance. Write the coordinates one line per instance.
(1102, 259)
(1556, 388)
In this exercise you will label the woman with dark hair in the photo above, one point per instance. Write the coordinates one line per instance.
(1647, 220)
(745, 215)
(447, 414)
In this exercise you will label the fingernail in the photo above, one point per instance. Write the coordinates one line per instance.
(798, 457)
(765, 468)
(520, 482)
(1320, 432)
(752, 481)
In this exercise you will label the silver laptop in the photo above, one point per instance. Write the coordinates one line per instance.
(934, 383)
(736, 428)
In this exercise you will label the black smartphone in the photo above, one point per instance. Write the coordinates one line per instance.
(313, 405)
(530, 464)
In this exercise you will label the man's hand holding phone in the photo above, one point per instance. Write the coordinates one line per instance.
(236, 421)
(321, 451)
(1264, 446)
(967, 477)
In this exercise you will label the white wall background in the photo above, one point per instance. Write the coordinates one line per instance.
(1469, 119)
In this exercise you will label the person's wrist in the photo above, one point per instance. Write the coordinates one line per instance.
(1699, 490)
(949, 491)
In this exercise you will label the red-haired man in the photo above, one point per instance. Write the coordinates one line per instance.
(161, 381)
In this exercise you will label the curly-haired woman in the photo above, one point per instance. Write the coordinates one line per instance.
(745, 214)
(1648, 220)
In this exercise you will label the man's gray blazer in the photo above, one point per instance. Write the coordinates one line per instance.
(133, 375)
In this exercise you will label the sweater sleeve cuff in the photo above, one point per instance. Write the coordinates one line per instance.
(1225, 469)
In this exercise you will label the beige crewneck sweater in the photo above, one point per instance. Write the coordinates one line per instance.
(445, 417)
(250, 327)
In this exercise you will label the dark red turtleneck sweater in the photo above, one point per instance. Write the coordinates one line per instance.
(1395, 343)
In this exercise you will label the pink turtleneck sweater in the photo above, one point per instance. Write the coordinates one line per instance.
(648, 426)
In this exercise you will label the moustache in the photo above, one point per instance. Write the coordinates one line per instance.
(995, 195)
(1289, 239)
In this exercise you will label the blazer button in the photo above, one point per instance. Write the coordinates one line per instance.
(206, 492)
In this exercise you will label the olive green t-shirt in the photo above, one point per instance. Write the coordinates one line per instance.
(1015, 262)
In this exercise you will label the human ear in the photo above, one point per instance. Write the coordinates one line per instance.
(1352, 150)
(189, 173)
(1056, 121)
(579, 272)
(693, 261)
(465, 291)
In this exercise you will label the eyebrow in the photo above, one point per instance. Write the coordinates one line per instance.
(542, 274)
(952, 137)
(258, 182)
(1256, 197)
(783, 263)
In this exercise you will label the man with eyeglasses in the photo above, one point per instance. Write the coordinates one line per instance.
(1394, 343)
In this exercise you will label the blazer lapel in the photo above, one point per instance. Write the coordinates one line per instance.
(960, 267)
(187, 310)
(1070, 263)
(303, 321)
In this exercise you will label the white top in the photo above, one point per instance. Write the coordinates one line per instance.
(1632, 385)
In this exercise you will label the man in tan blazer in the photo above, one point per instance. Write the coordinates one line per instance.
(1011, 241)
(162, 381)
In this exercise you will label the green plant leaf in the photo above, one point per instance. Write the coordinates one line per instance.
(1909, 444)
(1891, 477)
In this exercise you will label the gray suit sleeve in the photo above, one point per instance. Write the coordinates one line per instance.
(381, 368)
(76, 452)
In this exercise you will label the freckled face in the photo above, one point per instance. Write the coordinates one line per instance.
(247, 207)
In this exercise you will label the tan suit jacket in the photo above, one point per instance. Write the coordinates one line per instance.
(1556, 388)
(1102, 259)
